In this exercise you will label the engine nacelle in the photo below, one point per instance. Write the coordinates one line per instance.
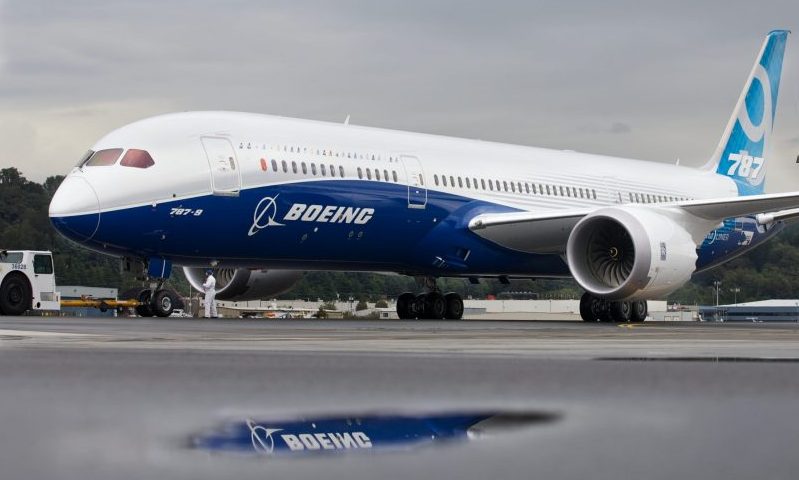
(630, 252)
(243, 283)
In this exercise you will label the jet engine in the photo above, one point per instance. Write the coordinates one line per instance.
(630, 253)
(243, 283)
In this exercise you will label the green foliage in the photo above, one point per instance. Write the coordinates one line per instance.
(361, 306)
(381, 304)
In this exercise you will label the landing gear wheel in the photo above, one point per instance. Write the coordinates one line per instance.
(144, 309)
(435, 306)
(405, 306)
(639, 311)
(418, 306)
(454, 306)
(15, 295)
(163, 303)
(592, 309)
(620, 311)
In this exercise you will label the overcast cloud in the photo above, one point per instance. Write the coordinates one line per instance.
(652, 81)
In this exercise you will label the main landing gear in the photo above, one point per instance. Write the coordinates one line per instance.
(432, 305)
(596, 309)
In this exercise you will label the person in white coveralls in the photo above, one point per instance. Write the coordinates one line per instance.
(209, 287)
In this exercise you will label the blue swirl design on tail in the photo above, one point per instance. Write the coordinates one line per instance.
(742, 150)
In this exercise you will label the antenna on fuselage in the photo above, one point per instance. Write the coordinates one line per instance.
(347, 120)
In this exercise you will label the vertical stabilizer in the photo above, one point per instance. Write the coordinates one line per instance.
(742, 149)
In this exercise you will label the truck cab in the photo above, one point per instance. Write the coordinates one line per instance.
(27, 282)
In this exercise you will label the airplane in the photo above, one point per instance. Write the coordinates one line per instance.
(263, 199)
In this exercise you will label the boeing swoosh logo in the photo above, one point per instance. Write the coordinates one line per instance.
(267, 207)
(262, 440)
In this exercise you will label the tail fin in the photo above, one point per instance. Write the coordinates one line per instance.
(741, 151)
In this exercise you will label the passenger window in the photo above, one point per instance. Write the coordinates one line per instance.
(137, 159)
(323, 169)
(444, 179)
(394, 175)
(512, 187)
(313, 168)
(385, 175)
(452, 181)
(332, 170)
(548, 192)
(460, 182)
(468, 183)
(294, 167)
(285, 166)
(42, 264)
(594, 192)
(435, 179)
(304, 168)
(341, 171)
(483, 183)
(534, 189)
(421, 179)
(377, 174)
(104, 158)
(369, 173)
(274, 166)
(360, 173)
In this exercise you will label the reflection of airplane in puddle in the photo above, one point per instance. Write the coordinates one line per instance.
(356, 433)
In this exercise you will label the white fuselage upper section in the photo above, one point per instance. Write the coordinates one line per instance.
(549, 179)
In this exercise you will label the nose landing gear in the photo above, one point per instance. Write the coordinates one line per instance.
(596, 309)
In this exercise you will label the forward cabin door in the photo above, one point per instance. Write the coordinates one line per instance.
(417, 192)
(225, 174)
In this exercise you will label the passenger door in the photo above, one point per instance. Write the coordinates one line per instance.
(225, 174)
(417, 192)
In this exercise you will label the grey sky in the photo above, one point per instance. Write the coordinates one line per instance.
(655, 81)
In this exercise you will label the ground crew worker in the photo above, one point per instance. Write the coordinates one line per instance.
(209, 287)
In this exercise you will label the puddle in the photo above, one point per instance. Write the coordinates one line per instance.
(358, 433)
(701, 359)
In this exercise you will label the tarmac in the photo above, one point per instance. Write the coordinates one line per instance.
(126, 397)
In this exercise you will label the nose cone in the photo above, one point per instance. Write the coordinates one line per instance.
(75, 209)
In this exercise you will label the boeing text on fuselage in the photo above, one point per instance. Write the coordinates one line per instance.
(266, 210)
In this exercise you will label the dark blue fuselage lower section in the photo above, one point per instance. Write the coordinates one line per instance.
(339, 225)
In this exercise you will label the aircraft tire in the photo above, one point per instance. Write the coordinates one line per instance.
(405, 304)
(593, 308)
(15, 294)
(454, 310)
(621, 311)
(163, 303)
(144, 309)
(640, 310)
(435, 306)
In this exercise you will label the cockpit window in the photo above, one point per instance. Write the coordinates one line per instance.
(137, 159)
(85, 158)
(104, 158)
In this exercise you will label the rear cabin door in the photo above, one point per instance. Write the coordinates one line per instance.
(417, 192)
(225, 174)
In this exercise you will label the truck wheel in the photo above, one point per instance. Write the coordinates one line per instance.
(144, 309)
(15, 294)
(163, 303)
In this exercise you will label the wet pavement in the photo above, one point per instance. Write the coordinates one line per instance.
(179, 398)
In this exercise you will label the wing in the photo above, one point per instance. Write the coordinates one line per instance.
(548, 232)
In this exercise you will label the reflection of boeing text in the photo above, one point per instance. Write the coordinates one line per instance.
(327, 441)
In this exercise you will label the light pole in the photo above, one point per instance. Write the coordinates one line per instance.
(735, 291)
(717, 284)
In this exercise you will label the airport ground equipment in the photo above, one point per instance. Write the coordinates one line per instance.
(27, 282)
